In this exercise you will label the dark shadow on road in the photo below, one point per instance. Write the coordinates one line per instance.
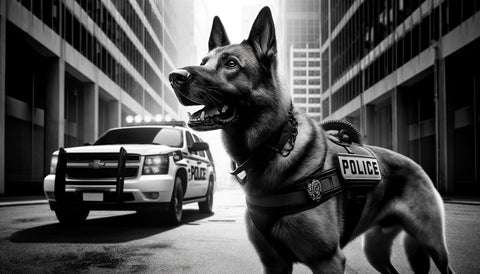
(116, 229)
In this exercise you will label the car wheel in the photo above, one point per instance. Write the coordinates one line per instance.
(175, 209)
(71, 216)
(207, 205)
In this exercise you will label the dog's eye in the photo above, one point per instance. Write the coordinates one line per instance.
(231, 63)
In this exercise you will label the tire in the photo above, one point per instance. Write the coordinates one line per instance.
(206, 206)
(175, 209)
(71, 216)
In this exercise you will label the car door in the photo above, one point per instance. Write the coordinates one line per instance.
(197, 173)
(191, 161)
(202, 175)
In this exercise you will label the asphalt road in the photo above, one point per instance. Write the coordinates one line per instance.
(31, 241)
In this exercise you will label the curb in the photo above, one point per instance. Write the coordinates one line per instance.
(474, 203)
(22, 203)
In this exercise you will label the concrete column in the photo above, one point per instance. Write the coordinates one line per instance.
(90, 112)
(444, 132)
(399, 121)
(55, 108)
(3, 35)
(114, 114)
(370, 125)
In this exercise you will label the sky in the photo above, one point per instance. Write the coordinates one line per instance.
(230, 12)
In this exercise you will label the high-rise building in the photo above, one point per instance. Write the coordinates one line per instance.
(71, 69)
(406, 72)
(301, 49)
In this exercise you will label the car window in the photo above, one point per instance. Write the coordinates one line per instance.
(163, 136)
(197, 139)
(190, 142)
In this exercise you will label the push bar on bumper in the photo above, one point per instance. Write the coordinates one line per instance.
(61, 174)
(121, 174)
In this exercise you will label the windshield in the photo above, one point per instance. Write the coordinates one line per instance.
(145, 136)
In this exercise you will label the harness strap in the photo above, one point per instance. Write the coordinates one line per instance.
(265, 211)
(304, 194)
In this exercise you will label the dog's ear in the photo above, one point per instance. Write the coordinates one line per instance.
(218, 35)
(262, 35)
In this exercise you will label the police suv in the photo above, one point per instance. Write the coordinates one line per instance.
(150, 168)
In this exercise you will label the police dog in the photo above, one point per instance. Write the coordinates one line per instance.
(239, 86)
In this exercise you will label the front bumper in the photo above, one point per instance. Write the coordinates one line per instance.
(135, 191)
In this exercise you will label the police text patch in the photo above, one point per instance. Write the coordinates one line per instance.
(358, 167)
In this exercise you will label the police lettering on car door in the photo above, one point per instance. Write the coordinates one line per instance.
(198, 173)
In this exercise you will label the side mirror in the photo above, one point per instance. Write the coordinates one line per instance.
(199, 146)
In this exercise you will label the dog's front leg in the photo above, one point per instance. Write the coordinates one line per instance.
(333, 264)
(271, 260)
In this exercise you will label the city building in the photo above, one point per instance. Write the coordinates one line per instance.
(301, 49)
(71, 69)
(406, 72)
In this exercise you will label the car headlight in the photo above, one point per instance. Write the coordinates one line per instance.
(53, 164)
(155, 164)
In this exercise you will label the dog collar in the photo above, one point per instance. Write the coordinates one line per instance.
(283, 143)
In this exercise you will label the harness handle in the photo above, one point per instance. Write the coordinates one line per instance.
(347, 132)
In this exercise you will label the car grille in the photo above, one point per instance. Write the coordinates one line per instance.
(93, 166)
(102, 173)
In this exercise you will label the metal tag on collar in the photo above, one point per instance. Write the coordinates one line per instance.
(239, 173)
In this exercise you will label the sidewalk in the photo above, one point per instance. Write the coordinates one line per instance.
(22, 200)
(465, 200)
(40, 199)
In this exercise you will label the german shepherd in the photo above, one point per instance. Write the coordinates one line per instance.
(243, 96)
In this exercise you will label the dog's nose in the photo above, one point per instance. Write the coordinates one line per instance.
(178, 77)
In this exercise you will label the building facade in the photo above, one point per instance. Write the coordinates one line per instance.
(71, 69)
(403, 71)
(301, 49)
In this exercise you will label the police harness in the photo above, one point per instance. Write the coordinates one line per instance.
(356, 169)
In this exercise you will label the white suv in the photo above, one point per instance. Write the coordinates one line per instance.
(143, 168)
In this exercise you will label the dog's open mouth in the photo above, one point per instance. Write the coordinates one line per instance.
(212, 117)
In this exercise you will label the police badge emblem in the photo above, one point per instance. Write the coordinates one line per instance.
(314, 190)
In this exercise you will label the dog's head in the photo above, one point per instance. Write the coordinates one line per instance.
(236, 83)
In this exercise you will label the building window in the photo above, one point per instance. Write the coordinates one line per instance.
(314, 64)
(313, 91)
(314, 82)
(298, 64)
(299, 73)
(314, 73)
(299, 82)
(299, 91)
(314, 100)
(299, 54)
(314, 110)
(325, 108)
(300, 100)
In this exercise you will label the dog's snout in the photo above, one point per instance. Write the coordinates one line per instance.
(178, 77)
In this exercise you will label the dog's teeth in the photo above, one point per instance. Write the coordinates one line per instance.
(189, 115)
(225, 107)
(202, 116)
(217, 113)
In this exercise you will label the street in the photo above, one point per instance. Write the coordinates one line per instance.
(31, 240)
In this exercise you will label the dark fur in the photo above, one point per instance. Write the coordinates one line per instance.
(405, 199)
